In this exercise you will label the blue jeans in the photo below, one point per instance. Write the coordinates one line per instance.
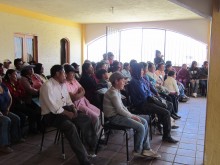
(11, 130)
(5, 123)
(141, 135)
(181, 89)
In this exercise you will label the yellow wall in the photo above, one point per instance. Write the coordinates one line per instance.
(49, 31)
(212, 138)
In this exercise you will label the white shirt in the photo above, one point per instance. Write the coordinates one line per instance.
(53, 96)
(171, 84)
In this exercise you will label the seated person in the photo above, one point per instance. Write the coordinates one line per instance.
(203, 76)
(142, 98)
(194, 78)
(77, 74)
(1, 70)
(118, 114)
(54, 97)
(77, 93)
(102, 76)
(13, 132)
(39, 72)
(18, 106)
(171, 84)
(88, 82)
(126, 71)
(31, 88)
(183, 76)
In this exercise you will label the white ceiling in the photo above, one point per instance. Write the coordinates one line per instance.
(101, 11)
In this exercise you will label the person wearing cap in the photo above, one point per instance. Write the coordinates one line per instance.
(77, 92)
(77, 74)
(118, 114)
(6, 64)
(54, 100)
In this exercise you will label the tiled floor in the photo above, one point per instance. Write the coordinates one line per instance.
(188, 151)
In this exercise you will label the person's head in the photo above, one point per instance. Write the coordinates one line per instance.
(145, 67)
(70, 72)
(105, 56)
(6, 63)
(169, 67)
(18, 63)
(116, 66)
(194, 64)
(205, 64)
(39, 69)
(27, 70)
(87, 61)
(157, 53)
(57, 72)
(32, 62)
(117, 80)
(87, 69)
(151, 67)
(184, 66)
(102, 74)
(1, 69)
(126, 66)
(101, 65)
(110, 56)
(160, 66)
(76, 66)
(133, 62)
(172, 74)
(137, 71)
(168, 63)
(11, 75)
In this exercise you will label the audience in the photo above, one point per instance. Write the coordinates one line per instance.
(1, 70)
(118, 114)
(183, 75)
(77, 74)
(18, 66)
(102, 76)
(59, 111)
(126, 71)
(158, 58)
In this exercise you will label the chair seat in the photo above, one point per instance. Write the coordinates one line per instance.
(109, 125)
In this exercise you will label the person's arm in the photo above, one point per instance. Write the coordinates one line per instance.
(28, 88)
(9, 105)
(80, 93)
(175, 86)
(116, 101)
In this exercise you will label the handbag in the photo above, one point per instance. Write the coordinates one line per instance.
(158, 101)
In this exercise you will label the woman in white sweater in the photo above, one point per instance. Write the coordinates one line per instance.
(118, 114)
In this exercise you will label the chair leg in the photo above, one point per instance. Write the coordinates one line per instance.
(56, 137)
(42, 139)
(107, 137)
(100, 136)
(151, 128)
(127, 146)
(62, 139)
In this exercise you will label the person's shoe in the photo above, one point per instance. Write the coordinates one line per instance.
(151, 153)
(137, 154)
(170, 140)
(6, 149)
(174, 127)
(194, 95)
(175, 117)
(92, 155)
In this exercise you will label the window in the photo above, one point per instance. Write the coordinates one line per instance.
(26, 47)
(141, 43)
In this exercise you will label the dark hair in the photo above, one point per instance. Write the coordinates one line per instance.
(55, 69)
(100, 73)
(150, 65)
(159, 65)
(37, 68)
(85, 67)
(1, 64)
(17, 60)
(168, 65)
(193, 63)
(115, 66)
(205, 62)
(126, 64)
(144, 64)
(157, 52)
(99, 65)
(171, 73)
(8, 72)
(110, 54)
(133, 62)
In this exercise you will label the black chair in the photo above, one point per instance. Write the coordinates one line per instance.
(57, 137)
(107, 127)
